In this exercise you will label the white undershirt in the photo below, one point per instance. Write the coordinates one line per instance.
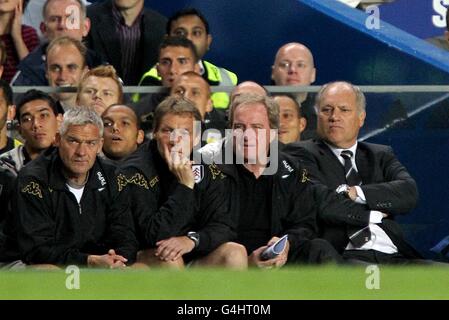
(380, 241)
(78, 193)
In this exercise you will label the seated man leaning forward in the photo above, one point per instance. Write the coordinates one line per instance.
(70, 209)
(180, 209)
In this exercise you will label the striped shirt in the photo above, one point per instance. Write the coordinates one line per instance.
(129, 44)
(31, 40)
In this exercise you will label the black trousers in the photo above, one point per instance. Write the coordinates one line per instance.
(316, 251)
(377, 257)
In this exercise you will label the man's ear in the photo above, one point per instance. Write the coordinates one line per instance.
(302, 124)
(209, 41)
(11, 112)
(157, 69)
(86, 27)
(100, 146)
(59, 119)
(196, 68)
(210, 105)
(140, 136)
(57, 139)
(43, 28)
(313, 77)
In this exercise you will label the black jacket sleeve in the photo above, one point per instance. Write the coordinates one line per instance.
(333, 208)
(397, 193)
(120, 233)
(155, 223)
(300, 223)
(214, 214)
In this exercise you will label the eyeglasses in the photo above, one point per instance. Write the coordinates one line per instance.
(288, 64)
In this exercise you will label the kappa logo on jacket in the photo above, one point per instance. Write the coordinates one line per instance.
(33, 188)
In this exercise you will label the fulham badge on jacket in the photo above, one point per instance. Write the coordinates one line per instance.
(198, 172)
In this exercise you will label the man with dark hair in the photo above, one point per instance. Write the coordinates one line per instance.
(122, 134)
(180, 209)
(292, 122)
(58, 21)
(193, 87)
(39, 117)
(127, 35)
(7, 114)
(83, 218)
(191, 24)
(374, 186)
(176, 56)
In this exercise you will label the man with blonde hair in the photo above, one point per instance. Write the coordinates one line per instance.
(100, 88)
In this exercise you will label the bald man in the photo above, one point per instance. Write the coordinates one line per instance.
(294, 66)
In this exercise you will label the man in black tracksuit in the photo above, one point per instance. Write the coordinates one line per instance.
(69, 208)
(270, 199)
(180, 209)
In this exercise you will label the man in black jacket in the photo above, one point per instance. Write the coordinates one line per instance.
(69, 207)
(127, 35)
(270, 197)
(180, 209)
(369, 175)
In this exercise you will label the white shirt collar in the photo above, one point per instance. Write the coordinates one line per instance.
(337, 151)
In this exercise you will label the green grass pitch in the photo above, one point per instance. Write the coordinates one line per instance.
(284, 284)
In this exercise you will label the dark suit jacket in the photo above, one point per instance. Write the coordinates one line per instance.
(105, 40)
(387, 186)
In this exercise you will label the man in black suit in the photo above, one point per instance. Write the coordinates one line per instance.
(127, 35)
(368, 174)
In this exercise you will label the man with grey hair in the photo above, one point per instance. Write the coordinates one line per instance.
(61, 18)
(69, 205)
(270, 197)
(368, 175)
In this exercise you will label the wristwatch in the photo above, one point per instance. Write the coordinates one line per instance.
(344, 189)
(195, 237)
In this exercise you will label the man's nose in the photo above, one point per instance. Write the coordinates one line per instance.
(81, 149)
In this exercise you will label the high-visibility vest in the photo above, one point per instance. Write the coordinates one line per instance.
(215, 76)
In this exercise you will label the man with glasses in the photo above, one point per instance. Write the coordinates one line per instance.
(294, 66)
